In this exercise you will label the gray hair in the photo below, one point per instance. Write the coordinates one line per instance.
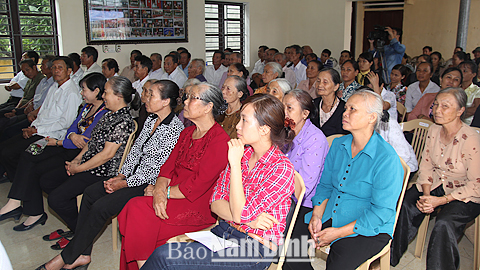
(191, 82)
(49, 59)
(276, 68)
(283, 83)
(238, 56)
(373, 102)
(199, 62)
(213, 94)
(241, 85)
(151, 81)
(284, 57)
(459, 95)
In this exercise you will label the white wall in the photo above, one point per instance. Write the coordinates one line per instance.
(275, 23)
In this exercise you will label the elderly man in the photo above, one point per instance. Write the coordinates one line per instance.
(57, 113)
(256, 74)
(142, 67)
(128, 70)
(110, 68)
(16, 85)
(173, 71)
(270, 54)
(296, 54)
(89, 59)
(185, 57)
(157, 71)
(289, 74)
(77, 72)
(196, 69)
(214, 72)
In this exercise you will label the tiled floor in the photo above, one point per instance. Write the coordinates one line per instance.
(27, 250)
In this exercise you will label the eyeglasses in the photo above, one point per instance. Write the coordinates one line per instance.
(190, 96)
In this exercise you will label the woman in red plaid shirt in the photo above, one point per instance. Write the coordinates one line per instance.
(252, 195)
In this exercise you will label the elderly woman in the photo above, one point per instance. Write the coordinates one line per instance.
(451, 77)
(423, 86)
(447, 180)
(100, 158)
(103, 200)
(307, 153)
(330, 107)
(271, 71)
(143, 113)
(180, 102)
(355, 202)
(234, 91)
(312, 71)
(252, 195)
(29, 181)
(185, 182)
(349, 85)
(278, 88)
(239, 70)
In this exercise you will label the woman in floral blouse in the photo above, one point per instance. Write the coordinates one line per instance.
(448, 179)
(396, 77)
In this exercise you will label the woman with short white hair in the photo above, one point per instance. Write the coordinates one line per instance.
(271, 71)
(355, 202)
(278, 88)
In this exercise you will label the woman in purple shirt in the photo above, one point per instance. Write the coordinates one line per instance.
(307, 154)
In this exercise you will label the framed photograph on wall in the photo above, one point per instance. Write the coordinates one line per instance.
(135, 21)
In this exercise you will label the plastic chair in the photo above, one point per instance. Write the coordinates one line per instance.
(332, 137)
(420, 128)
(402, 111)
(384, 254)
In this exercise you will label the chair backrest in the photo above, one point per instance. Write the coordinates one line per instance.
(406, 176)
(402, 111)
(128, 146)
(420, 128)
(332, 137)
(299, 194)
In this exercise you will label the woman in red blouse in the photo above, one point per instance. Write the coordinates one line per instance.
(185, 181)
(252, 195)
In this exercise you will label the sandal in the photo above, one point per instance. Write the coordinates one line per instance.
(57, 235)
(61, 244)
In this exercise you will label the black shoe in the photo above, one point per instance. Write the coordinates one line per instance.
(58, 234)
(22, 227)
(15, 213)
(4, 179)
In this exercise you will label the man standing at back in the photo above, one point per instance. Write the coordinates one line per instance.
(89, 58)
(393, 51)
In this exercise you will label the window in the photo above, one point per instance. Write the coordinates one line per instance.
(224, 28)
(25, 25)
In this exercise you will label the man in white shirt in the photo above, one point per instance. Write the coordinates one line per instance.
(16, 85)
(89, 58)
(214, 72)
(184, 61)
(296, 55)
(172, 71)
(128, 70)
(142, 67)
(109, 68)
(77, 72)
(57, 113)
(157, 71)
(256, 74)
(289, 74)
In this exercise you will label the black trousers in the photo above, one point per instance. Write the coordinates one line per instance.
(63, 200)
(11, 150)
(35, 175)
(351, 252)
(300, 229)
(442, 252)
(14, 129)
(96, 209)
(11, 101)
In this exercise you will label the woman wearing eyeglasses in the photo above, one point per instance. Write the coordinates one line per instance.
(179, 201)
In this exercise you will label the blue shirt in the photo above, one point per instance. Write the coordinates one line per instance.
(364, 188)
(393, 54)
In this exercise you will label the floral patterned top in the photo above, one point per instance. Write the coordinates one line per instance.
(400, 91)
(454, 165)
(114, 127)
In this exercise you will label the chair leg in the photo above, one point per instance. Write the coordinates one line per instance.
(385, 261)
(114, 234)
(364, 266)
(476, 244)
(421, 236)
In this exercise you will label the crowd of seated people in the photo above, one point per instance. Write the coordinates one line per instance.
(219, 144)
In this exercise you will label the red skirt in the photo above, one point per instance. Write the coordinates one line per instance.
(142, 231)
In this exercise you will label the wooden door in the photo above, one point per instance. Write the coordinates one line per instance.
(393, 18)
